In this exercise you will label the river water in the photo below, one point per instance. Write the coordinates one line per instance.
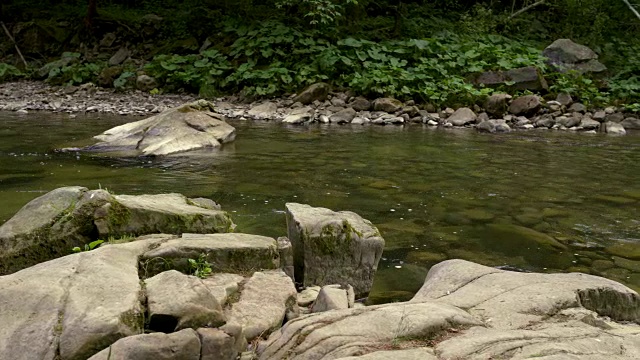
(535, 201)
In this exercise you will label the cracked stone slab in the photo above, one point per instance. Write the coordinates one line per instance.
(72, 307)
(408, 354)
(223, 285)
(350, 332)
(265, 299)
(182, 345)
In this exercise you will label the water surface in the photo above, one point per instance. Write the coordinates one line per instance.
(535, 201)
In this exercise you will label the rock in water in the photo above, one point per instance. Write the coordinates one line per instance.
(189, 127)
(333, 247)
(51, 225)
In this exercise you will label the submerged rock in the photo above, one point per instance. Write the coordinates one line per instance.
(193, 126)
(51, 225)
(333, 247)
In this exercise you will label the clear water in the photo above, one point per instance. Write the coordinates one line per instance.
(500, 200)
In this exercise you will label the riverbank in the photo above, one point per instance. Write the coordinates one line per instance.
(317, 103)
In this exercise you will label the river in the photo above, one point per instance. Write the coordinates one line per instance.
(535, 201)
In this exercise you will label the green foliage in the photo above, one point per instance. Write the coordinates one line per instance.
(122, 80)
(197, 72)
(9, 72)
(88, 247)
(75, 73)
(319, 12)
(200, 267)
(585, 89)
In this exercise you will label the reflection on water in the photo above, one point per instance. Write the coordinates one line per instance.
(539, 201)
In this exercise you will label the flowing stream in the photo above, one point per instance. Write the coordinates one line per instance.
(533, 201)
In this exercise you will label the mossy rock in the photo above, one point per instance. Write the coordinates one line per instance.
(626, 250)
(615, 200)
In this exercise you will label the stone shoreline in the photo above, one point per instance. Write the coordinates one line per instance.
(316, 104)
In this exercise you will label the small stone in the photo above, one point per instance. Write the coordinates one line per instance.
(614, 117)
(599, 115)
(564, 99)
(462, 117)
(578, 107)
(389, 105)
(614, 128)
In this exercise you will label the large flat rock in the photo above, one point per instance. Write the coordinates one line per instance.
(333, 247)
(342, 333)
(72, 307)
(51, 225)
(513, 300)
(231, 252)
(182, 345)
(193, 126)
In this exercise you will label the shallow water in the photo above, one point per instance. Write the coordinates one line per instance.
(539, 201)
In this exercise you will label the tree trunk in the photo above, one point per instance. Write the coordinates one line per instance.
(92, 12)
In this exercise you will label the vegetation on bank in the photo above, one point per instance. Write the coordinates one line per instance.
(423, 50)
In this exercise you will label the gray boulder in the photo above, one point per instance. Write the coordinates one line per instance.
(307, 296)
(299, 115)
(389, 105)
(74, 216)
(231, 253)
(614, 128)
(72, 307)
(497, 104)
(264, 301)
(146, 83)
(525, 105)
(181, 345)
(526, 78)
(264, 111)
(333, 247)
(462, 116)
(119, 57)
(192, 126)
(589, 124)
(177, 301)
(360, 104)
(334, 297)
(631, 123)
(566, 55)
(218, 344)
(343, 116)
(318, 91)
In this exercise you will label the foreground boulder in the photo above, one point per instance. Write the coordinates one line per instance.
(183, 345)
(333, 247)
(189, 127)
(51, 225)
(469, 311)
(71, 308)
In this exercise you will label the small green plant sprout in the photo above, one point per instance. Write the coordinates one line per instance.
(88, 247)
(200, 267)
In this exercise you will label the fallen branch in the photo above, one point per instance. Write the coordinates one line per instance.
(6, 31)
(526, 8)
(632, 8)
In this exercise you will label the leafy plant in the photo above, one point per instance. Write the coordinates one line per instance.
(88, 247)
(200, 267)
(75, 74)
(123, 79)
(9, 72)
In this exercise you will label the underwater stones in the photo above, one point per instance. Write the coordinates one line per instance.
(232, 252)
(177, 301)
(266, 298)
(192, 126)
(627, 250)
(333, 247)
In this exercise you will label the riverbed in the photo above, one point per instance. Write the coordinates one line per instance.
(529, 200)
